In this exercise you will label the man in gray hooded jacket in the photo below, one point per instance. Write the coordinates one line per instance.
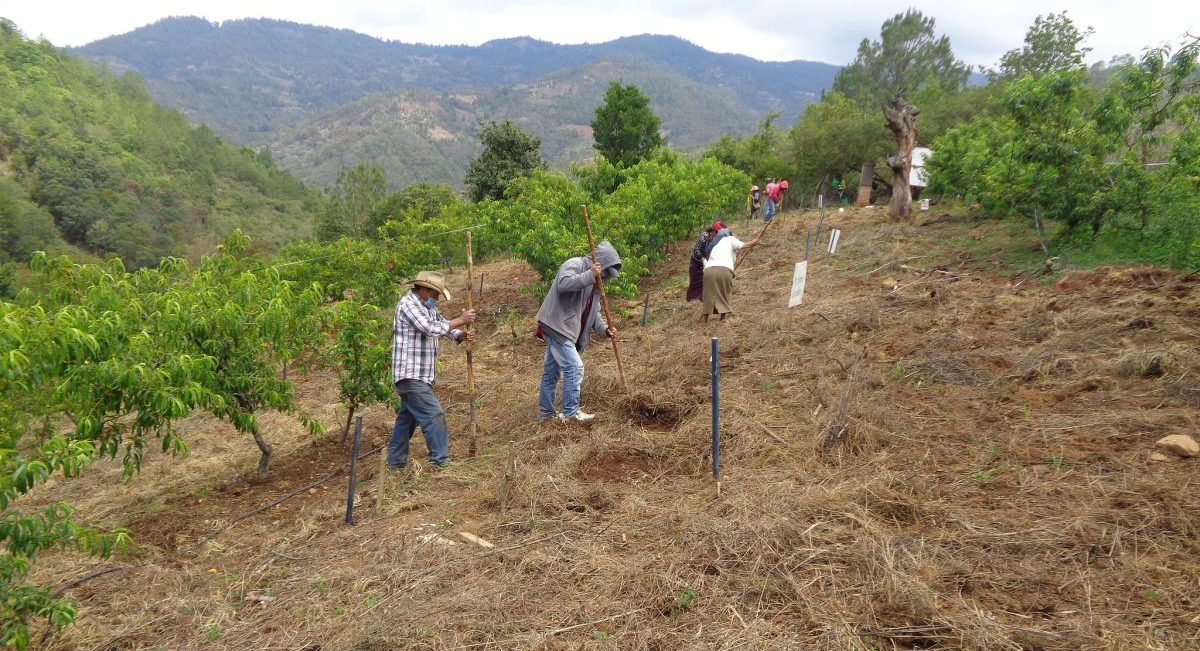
(569, 314)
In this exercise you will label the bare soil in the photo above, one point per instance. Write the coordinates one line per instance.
(934, 451)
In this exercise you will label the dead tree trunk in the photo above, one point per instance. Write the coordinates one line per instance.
(866, 181)
(902, 120)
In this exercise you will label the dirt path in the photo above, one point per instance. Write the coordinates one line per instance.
(934, 451)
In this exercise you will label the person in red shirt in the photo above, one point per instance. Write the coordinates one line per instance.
(774, 199)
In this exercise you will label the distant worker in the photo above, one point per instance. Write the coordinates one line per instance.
(753, 202)
(769, 203)
(775, 196)
(704, 243)
(415, 334)
(569, 314)
(718, 273)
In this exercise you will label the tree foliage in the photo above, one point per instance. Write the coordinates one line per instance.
(908, 60)
(1116, 167)
(659, 201)
(117, 174)
(760, 155)
(508, 153)
(833, 137)
(361, 356)
(421, 202)
(625, 128)
(104, 361)
(350, 208)
(1052, 44)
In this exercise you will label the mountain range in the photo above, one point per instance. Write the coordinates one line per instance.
(321, 98)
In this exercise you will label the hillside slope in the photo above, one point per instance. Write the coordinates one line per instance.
(88, 161)
(934, 451)
(247, 77)
(422, 136)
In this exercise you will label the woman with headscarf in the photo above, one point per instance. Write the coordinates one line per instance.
(695, 290)
(718, 273)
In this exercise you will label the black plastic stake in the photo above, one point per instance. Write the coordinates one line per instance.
(820, 222)
(353, 462)
(646, 308)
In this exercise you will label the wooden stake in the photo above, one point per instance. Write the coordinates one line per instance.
(510, 471)
(756, 238)
(472, 445)
(604, 299)
(381, 481)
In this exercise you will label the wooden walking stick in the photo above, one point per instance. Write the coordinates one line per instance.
(756, 239)
(604, 299)
(471, 446)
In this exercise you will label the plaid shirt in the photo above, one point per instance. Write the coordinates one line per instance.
(415, 333)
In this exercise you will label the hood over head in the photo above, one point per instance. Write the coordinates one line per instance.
(610, 261)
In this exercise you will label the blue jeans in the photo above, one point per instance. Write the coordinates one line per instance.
(768, 210)
(561, 360)
(418, 406)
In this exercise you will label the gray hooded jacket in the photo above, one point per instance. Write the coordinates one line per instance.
(562, 309)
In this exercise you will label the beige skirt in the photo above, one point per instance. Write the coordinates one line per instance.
(718, 290)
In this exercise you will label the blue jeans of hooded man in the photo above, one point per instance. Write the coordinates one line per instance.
(418, 406)
(768, 210)
(562, 360)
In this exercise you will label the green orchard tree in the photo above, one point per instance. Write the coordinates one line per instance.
(662, 200)
(361, 356)
(371, 270)
(1117, 167)
(92, 368)
(508, 153)
(31, 451)
(625, 129)
(249, 322)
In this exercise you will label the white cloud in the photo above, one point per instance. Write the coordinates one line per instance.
(764, 29)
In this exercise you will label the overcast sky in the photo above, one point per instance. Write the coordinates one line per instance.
(775, 30)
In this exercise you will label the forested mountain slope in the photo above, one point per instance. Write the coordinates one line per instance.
(245, 78)
(89, 162)
(425, 136)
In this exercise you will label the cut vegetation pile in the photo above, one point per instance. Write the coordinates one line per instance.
(936, 450)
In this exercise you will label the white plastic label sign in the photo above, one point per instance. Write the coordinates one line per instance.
(834, 236)
(798, 278)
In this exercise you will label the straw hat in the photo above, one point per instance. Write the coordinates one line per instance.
(434, 280)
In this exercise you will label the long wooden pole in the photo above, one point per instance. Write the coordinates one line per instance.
(604, 299)
(756, 238)
(471, 447)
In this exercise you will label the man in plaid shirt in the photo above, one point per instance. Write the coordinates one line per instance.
(415, 333)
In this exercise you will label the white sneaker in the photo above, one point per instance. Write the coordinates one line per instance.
(580, 416)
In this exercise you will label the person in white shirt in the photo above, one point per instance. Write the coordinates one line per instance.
(718, 273)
